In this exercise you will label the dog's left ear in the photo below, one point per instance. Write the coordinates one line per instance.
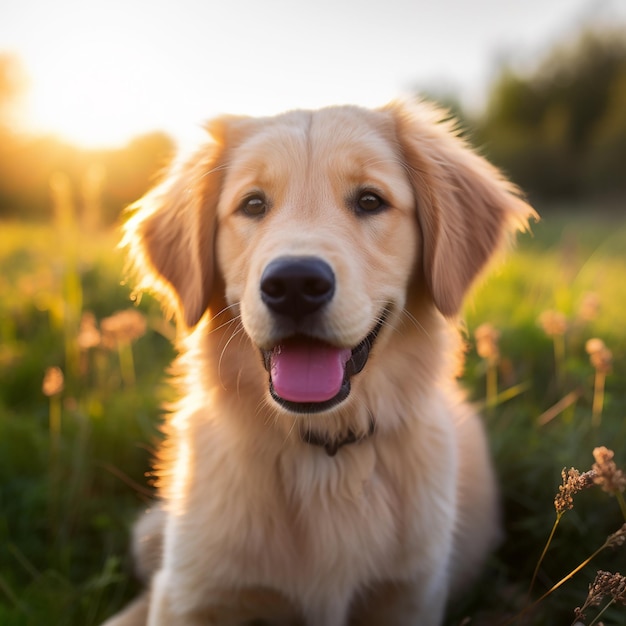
(465, 206)
(170, 235)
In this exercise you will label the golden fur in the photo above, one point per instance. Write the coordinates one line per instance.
(254, 522)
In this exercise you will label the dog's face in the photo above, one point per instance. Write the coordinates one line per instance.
(316, 240)
(318, 225)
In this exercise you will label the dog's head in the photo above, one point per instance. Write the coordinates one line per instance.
(316, 227)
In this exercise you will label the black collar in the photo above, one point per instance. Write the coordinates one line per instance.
(330, 445)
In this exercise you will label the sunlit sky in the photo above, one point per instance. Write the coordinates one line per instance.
(103, 71)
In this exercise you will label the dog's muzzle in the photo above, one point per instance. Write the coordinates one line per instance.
(306, 374)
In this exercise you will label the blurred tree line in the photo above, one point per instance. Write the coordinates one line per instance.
(559, 131)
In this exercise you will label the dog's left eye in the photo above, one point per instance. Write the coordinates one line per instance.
(369, 202)
(254, 205)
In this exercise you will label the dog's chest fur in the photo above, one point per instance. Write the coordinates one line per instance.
(284, 515)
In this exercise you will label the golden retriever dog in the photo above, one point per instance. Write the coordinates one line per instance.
(321, 467)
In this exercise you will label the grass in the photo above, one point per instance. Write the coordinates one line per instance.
(73, 462)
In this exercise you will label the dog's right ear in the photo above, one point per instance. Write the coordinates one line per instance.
(170, 236)
(466, 209)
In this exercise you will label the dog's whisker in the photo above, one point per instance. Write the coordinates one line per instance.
(290, 431)
(269, 411)
(414, 321)
(215, 317)
(383, 319)
(229, 322)
(236, 332)
(260, 411)
(223, 310)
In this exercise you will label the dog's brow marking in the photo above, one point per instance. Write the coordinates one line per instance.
(373, 161)
(421, 174)
(214, 170)
(222, 167)
(410, 170)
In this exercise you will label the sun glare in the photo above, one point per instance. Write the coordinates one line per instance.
(96, 79)
(89, 92)
(100, 76)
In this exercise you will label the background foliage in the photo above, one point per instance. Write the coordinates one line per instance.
(558, 128)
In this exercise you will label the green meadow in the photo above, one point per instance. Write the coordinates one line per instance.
(76, 442)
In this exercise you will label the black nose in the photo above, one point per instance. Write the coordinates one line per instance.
(296, 286)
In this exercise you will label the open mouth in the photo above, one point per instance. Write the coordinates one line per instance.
(307, 375)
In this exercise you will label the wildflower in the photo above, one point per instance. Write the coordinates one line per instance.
(599, 355)
(118, 332)
(589, 307)
(88, 334)
(608, 584)
(53, 382)
(553, 323)
(604, 585)
(573, 482)
(610, 478)
(487, 338)
(122, 327)
(601, 358)
(594, 345)
(618, 538)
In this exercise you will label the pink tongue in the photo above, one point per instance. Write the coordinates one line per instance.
(308, 370)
